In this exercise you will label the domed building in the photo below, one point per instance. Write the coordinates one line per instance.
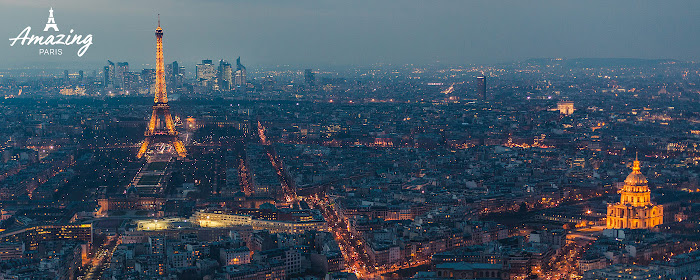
(635, 209)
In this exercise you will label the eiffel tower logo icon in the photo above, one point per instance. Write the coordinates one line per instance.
(51, 24)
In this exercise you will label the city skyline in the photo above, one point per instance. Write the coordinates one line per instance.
(317, 34)
(434, 169)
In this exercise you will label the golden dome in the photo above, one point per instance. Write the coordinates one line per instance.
(636, 181)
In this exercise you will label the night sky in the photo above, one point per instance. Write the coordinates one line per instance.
(322, 33)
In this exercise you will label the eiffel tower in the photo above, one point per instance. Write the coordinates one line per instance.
(161, 128)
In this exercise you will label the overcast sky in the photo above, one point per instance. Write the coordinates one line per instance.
(358, 32)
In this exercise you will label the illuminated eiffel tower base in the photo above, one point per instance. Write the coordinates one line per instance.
(161, 130)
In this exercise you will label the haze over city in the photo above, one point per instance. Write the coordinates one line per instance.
(321, 33)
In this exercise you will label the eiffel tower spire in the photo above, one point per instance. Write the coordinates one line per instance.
(161, 128)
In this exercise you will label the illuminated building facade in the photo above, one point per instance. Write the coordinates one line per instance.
(133, 202)
(205, 72)
(235, 256)
(225, 75)
(221, 219)
(32, 236)
(161, 128)
(565, 107)
(11, 250)
(635, 209)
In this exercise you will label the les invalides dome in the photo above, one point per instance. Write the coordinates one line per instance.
(635, 209)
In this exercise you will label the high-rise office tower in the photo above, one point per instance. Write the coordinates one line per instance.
(309, 77)
(65, 75)
(481, 87)
(120, 71)
(109, 74)
(80, 75)
(240, 76)
(174, 78)
(182, 73)
(105, 76)
(205, 72)
(114, 74)
(129, 80)
(225, 75)
(161, 128)
(148, 77)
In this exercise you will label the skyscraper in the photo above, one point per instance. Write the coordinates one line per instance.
(119, 73)
(182, 73)
(174, 78)
(240, 76)
(205, 72)
(148, 77)
(114, 74)
(105, 77)
(130, 80)
(225, 75)
(481, 87)
(109, 71)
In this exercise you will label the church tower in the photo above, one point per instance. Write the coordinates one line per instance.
(635, 209)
